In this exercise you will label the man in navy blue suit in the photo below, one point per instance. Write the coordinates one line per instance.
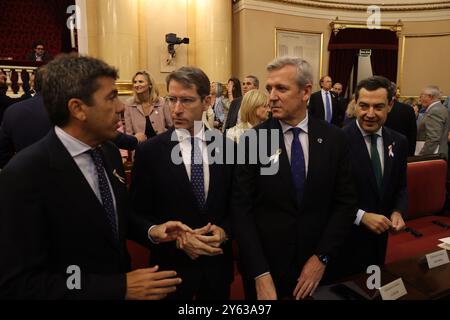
(192, 188)
(378, 160)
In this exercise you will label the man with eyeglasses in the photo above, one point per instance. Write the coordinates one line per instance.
(39, 54)
(250, 82)
(433, 130)
(174, 177)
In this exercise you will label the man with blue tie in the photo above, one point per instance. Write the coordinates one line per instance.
(175, 178)
(291, 223)
(324, 105)
(65, 213)
(378, 159)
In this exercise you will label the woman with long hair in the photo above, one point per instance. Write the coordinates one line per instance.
(146, 112)
(254, 110)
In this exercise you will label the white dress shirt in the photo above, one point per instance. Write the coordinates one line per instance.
(324, 99)
(380, 148)
(78, 151)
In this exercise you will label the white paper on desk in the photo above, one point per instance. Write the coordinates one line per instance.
(444, 246)
(437, 258)
(445, 240)
(393, 290)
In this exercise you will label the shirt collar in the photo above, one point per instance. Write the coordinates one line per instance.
(183, 134)
(365, 134)
(302, 125)
(73, 145)
(324, 91)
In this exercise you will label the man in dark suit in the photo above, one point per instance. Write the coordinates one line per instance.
(64, 210)
(290, 222)
(174, 178)
(339, 94)
(250, 82)
(402, 119)
(324, 105)
(23, 124)
(39, 54)
(378, 160)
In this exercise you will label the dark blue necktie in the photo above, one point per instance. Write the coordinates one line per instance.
(197, 181)
(105, 191)
(298, 170)
(328, 107)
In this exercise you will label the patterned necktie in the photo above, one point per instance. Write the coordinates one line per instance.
(105, 191)
(298, 170)
(375, 157)
(197, 181)
(328, 107)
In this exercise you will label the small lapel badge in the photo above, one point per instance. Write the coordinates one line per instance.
(275, 156)
(121, 179)
(391, 154)
(319, 140)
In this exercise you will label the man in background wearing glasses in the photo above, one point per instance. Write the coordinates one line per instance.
(173, 178)
(38, 53)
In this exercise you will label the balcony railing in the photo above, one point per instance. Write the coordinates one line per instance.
(18, 74)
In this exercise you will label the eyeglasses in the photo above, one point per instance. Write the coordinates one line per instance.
(40, 48)
(185, 101)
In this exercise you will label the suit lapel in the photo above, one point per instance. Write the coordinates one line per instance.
(76, 187)
(388, 145)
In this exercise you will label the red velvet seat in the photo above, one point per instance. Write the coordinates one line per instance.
(426, 198)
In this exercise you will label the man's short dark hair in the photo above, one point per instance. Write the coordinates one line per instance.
(255, 80)
(71, 76)
(374, 83)
(37, 43)
(190, 76)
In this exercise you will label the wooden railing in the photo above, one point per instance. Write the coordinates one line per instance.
(18, 74)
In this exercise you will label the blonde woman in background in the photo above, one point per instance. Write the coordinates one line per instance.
(254, 110)
(146, 112)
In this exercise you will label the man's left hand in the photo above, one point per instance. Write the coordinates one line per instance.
(309, 279)
(217, 237)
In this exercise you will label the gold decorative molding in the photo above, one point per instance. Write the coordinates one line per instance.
(438, 5)
(337, 25)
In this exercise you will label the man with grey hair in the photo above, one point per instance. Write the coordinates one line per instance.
(64, 208)
(434, 127)
(290, 224)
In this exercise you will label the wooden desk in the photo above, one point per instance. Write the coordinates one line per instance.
(434, 283)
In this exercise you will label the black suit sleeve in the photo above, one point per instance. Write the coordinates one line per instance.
(6, 147)
(25, 238)
(412, 131)
(401, 196)
(344, 204)
(125, 141)
(243, 194)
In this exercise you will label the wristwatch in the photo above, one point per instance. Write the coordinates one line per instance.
(323, 258)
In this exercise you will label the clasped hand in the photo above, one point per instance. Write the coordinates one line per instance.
(203, 241)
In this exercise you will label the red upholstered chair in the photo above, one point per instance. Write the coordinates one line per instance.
(426, 199)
